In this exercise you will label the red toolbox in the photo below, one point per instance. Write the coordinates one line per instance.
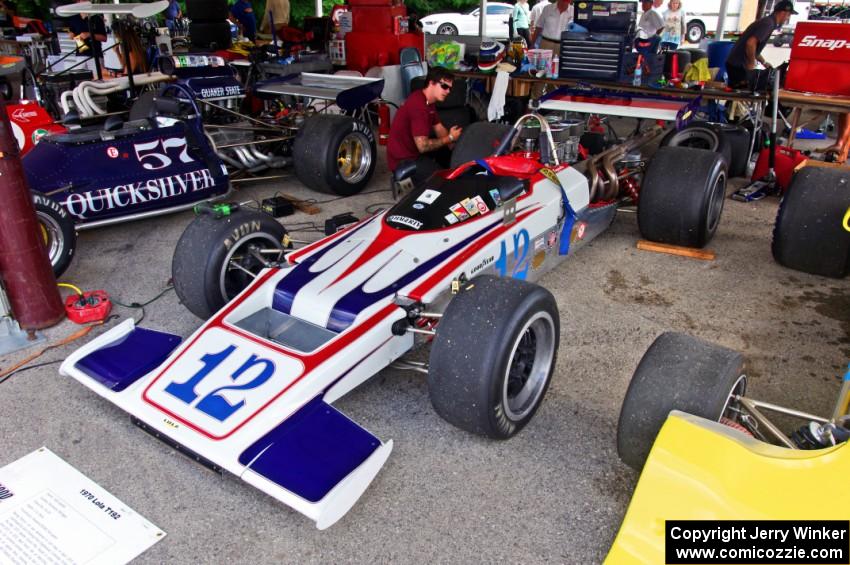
(820, 59)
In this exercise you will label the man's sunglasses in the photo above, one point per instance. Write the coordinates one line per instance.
(445, 86)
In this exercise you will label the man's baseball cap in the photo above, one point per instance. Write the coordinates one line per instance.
(785, 6)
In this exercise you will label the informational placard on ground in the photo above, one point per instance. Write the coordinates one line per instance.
(52, 513)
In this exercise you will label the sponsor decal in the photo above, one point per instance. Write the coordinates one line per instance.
(38, 134)
(831, 44)
(539, 243)
(451, 218)
(80, 204)
(497, 198)
(23, 115)
(578, 231)
(538, 259)
(112, 151)
(481, 205)
(552, 239)
(418, 206)
(404, 220)
(428, 196)
(459, 211)
(470, 206)
(482, 265)
(221, 91)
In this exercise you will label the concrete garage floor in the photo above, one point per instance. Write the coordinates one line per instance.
(555, 493)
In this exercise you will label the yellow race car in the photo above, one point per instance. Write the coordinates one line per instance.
(709, 452)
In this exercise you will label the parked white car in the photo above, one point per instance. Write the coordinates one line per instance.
(456, 23)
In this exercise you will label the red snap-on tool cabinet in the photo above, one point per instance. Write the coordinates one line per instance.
(820, 59)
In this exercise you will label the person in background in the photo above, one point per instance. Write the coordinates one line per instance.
(650, 24)
(521, 20)
(279, 10)
(172, 14)
(417, 134)
(747, 50)
(83, 27)
(553, 21)
(535, 17)
(127, 36)
(243, 13)
(673, 33)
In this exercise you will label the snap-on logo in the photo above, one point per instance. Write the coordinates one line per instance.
(831, 44)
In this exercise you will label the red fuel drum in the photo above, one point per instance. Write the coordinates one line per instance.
(820, 59)
(24, 265)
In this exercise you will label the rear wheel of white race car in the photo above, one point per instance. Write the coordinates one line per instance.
(57, 231)
(681, 196)
(677, 372)
(217, 258)
(493, 355)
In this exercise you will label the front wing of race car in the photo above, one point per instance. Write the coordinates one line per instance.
(274, 429)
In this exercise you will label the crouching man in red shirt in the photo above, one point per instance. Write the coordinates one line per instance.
(417, 133)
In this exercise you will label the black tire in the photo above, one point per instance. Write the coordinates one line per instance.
(808, 235)
(488, 336)
(681, 196)
(738, 138)
(677, 372)
(695, 32)
(57, 231)
(210, 35)
(335, 154)
(207, 10)
(477, 141)
(446, 29)
(700, 135)
(697, 54)
(199, 267)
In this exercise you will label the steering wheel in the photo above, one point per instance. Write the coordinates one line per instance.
(187, 95)
(548, 155)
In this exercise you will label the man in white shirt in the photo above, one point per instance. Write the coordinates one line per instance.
(536, 11)
(651, 21)
(552, 21)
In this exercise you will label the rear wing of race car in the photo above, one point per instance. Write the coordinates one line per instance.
(316, 460)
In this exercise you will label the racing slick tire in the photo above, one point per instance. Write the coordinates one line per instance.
(682, 196)
(700, 135)
(477, 141)
(57, 231)
(738, 138)
(335, 154)
(677, 372)
(204, 266)
(493, 355)
(809, 235)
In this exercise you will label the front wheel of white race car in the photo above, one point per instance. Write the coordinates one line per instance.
(217, 258)
(493, 355)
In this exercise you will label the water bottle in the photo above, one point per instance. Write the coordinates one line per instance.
(638, 74)
(553, 68)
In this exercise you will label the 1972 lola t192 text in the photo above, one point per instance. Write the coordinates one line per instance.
(289, 332)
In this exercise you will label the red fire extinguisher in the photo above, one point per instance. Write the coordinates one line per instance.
(383, 123)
